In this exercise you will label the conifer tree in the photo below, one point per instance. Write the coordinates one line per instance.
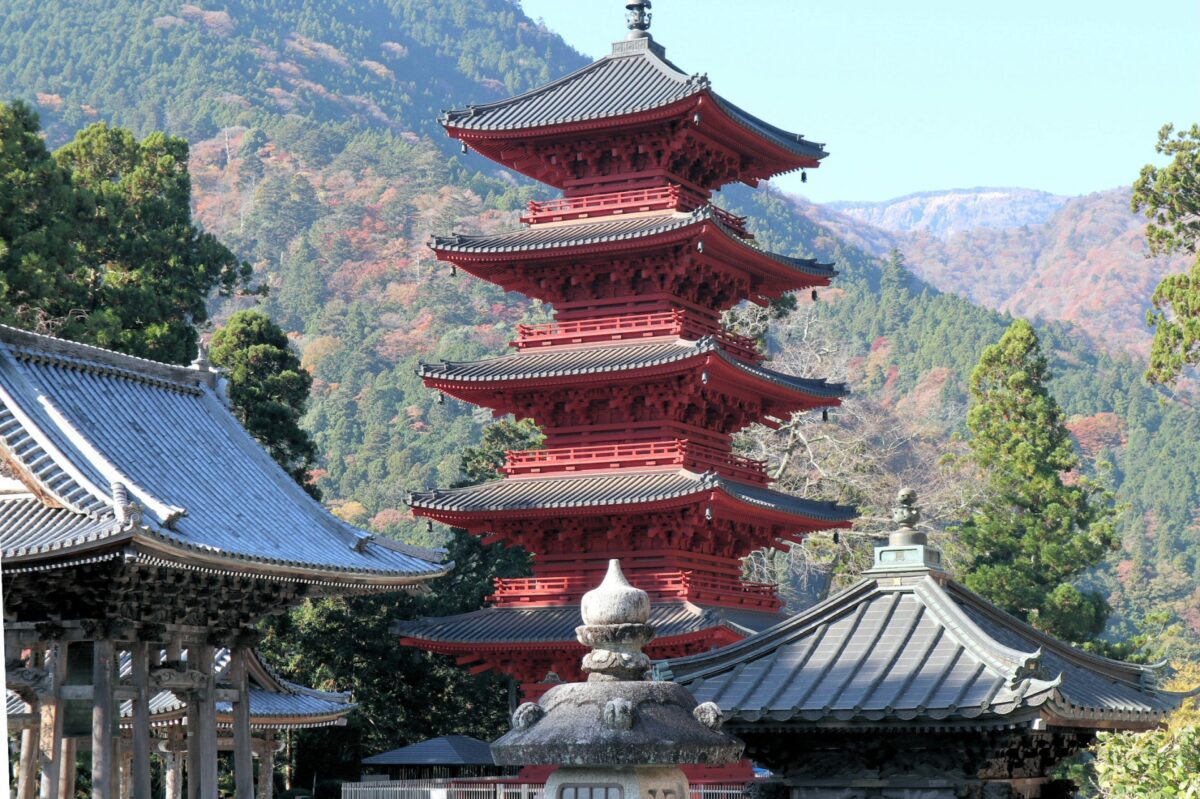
(268, 389)
(1041, 524)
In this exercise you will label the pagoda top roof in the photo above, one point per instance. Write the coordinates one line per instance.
(556, 625)
(915, 649)
(113, 453)
(275, 703)
(634, 79)
(575, 361)
(608, 230)
(628, 488)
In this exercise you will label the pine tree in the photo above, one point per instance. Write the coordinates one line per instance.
(268, 389)
(1042, 524)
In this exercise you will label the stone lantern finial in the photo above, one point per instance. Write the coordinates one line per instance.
(638, 17)
(614, 626)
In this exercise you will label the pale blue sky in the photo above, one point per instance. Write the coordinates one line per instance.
(1061, 95)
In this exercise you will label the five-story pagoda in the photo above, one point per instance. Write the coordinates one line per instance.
(637, 384)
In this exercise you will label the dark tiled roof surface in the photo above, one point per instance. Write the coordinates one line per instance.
(635, 78)
(78, 419)
(554, 362)
(600, 490)
(557, 624)
(916, 651)
(604, 231)
(448, 750)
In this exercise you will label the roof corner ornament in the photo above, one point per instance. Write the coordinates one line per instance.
(637, 17)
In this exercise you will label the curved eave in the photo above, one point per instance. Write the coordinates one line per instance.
(484, 648)
(150, 546)
(736, 374)
(776, 150)
(439, 504)
(796, 273)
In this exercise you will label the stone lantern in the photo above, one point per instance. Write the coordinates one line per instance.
(618, 735)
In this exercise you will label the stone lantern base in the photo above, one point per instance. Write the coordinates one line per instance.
(619, 782)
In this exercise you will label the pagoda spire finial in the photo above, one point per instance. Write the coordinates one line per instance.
(638, 16)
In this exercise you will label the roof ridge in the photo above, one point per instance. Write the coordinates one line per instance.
(1011, 663)
(73, 354)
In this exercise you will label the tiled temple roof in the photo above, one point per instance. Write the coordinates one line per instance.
(550, 625)
(611, 358)
(606, 490)
(925, 650)
(447, 750)
(605, 231)
(635, 78)
(75, 420)
(275, 703)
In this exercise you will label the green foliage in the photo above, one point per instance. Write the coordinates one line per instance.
(1169, 196)
(1035, 531)
(111, 256)
(482, 462)
(404, 695)
(268, 388)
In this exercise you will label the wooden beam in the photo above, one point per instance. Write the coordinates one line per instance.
(206, 721)
(103, 720)
(140, 655)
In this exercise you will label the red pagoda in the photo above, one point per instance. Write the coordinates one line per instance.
(637, 384)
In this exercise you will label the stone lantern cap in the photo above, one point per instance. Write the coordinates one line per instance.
(616, 718)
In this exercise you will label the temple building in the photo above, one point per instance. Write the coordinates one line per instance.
(144, 534)
(907, 684)
(637, 384)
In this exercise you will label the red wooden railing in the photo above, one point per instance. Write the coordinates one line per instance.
(531, 591)
(660, 198)
(634, 326)
(649, 454)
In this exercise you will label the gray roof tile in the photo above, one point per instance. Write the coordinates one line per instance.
(77, 419)
(557, 624)
(448, 750)
(635, 78)
(608, 230)
(923, 650)
(552, 362)
(630, 488)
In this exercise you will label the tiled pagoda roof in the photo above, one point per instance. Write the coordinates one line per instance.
(611, 230)
(921, 651)
(634, 79)
(446, 750)
(555, 625)
(275, 703)
(612, 490)
(560, 362)
(75, 420)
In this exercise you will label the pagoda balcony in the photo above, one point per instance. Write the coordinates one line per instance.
(662, 586)
(635, 326)
(679, 453)
(634, 201)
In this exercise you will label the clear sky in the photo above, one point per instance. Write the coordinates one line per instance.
(1065, 96)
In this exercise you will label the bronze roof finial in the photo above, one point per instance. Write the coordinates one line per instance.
(638, 16)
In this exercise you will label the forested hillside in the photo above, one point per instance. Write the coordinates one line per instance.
(316, 157)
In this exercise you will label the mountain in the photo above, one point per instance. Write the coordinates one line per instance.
(316, 156)
(944, 213)
(1080, 260)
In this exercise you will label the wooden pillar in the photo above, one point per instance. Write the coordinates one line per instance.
(243, 757)
(66, 780)
(103, 720)
(266, 768)
(172, 776)
(140, 655)
(206, 722)
(50, 725)
(27, 783)
(192, 740)
(126, 758)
